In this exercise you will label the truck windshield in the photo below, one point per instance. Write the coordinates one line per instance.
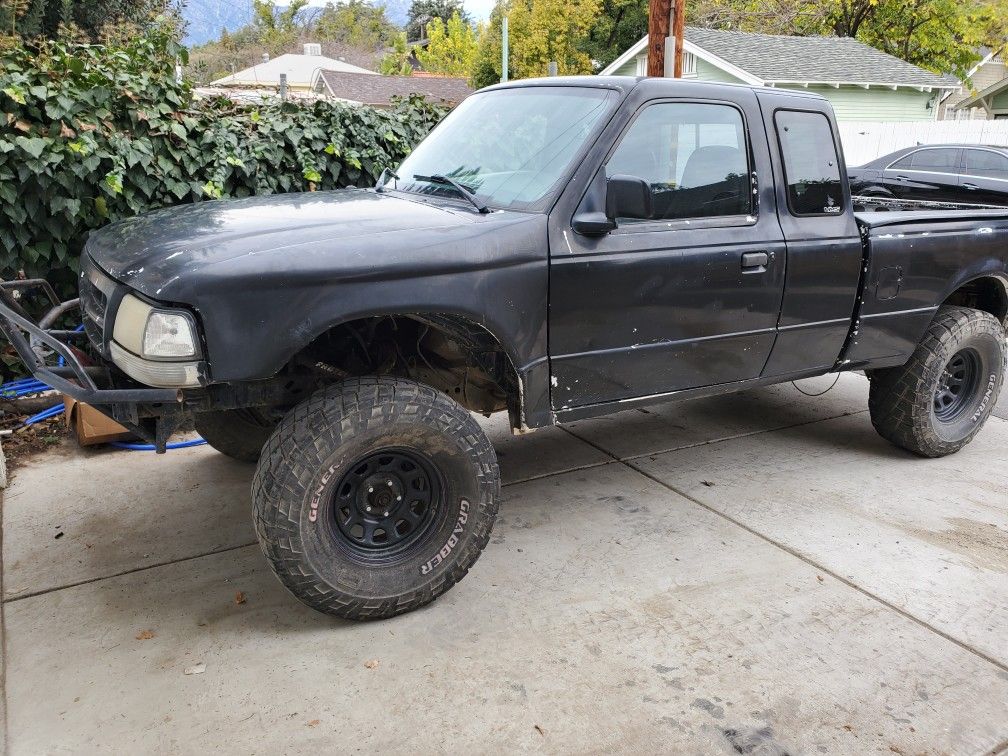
(508, 147)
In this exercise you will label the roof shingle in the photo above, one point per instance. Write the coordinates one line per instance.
(775, 58)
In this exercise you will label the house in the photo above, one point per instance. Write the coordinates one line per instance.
(987, 96)
(379, 90)
(301, 70)
(863, 84)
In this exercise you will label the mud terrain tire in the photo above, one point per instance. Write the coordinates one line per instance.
(375, 496)
(938, 401)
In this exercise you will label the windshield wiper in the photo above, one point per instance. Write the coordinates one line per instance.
(437, 178)
(386, 174)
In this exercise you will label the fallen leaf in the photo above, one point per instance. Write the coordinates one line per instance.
(195, 669)
(540, 730)
(313, 723)
(145, 635)
(707, 483)
(819, 578)
(239, 598)
(371, 664)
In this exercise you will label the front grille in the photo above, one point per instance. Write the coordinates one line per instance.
(95, 288)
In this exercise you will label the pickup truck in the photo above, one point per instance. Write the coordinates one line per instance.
(560, 249)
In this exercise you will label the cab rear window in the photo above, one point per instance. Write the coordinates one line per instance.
(811, 165)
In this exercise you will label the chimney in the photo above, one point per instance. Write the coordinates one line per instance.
(265, 58)
(313, 48)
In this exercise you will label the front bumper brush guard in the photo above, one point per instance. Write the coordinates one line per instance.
(73, 378)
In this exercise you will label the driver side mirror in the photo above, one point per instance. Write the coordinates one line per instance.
(628, 197)
(625, 197)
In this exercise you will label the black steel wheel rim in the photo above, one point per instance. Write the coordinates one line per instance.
(385, 503)
(957, 385)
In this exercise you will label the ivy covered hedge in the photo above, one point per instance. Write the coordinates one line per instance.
(90, 134)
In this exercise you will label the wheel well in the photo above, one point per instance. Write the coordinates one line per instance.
(987, 294)
(448, 352)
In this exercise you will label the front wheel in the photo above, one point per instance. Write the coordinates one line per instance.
(938, 401)
(375, 496)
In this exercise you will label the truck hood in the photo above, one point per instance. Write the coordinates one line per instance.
(152, 251)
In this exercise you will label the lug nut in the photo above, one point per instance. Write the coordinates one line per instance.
(398, 498)
(389, 482)
(368, 509)
(385, 515)
(370, 489)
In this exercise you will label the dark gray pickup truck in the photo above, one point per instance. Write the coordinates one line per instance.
(559, 249)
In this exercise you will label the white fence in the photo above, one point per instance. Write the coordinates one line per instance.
(864, 141)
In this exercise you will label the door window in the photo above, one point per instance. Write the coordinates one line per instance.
(693, 155)
(811, 165)
(986, 163)
(944, 161)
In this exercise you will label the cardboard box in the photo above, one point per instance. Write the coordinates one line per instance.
(92, 426)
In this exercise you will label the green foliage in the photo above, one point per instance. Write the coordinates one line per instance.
(539, 31)
(451, 48)
(93, 18)
(356, 23)
(397, 61)
(619, 25)
(276, 28)
(423, 12)
(90, 134)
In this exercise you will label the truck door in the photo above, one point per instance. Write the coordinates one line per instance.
(689, 297)
(824, 250)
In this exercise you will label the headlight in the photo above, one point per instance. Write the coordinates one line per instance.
(153, 333)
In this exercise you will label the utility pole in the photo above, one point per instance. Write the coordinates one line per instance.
(663, 14)
(504, 49)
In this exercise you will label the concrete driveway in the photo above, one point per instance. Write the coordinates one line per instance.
(758, 573)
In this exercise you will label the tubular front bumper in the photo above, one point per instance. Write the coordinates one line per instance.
(151, 413)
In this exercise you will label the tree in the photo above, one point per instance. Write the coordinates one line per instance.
(356, 23)
(423, 12)
(92, 18)
(487, 68)
(277, 28)
(397, 62)
(541, 31)
(451, 48)
(620, 23)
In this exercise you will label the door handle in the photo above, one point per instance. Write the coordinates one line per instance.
(755, 262)
(971, 187)
(902, 178)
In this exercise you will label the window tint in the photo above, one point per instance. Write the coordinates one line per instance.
(903, 163)
(986, 163)
(811, 166)
(936, 160)
(694, 157)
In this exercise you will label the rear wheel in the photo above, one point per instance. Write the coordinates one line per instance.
(239, 433)
(374, 497)
(936, 403)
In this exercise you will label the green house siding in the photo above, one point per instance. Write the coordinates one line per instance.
(878, 104)
(708, 72)
(1000, 102)
(627, 69)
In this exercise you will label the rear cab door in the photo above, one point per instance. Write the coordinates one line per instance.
(824, 251)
